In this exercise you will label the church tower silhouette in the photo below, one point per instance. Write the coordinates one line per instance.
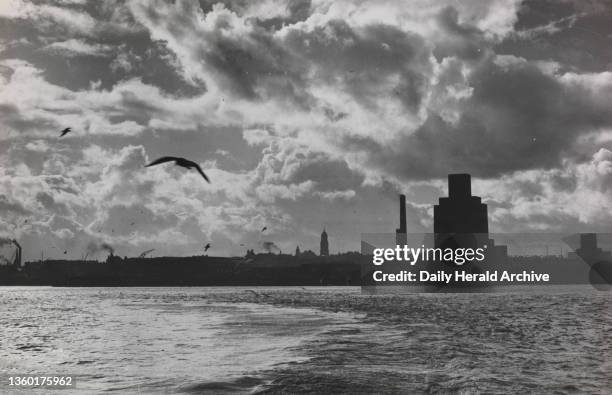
(324, 244)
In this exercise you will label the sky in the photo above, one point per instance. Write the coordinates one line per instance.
(304, 114)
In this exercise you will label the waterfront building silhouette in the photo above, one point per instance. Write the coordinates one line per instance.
(460, 220)
(589, 250)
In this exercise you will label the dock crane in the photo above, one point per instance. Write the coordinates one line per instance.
(144, 253)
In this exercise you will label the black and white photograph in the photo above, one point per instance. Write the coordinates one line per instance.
(306, 196)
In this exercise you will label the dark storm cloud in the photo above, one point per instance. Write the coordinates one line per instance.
(577, 34)
(252, 66)
(259, 61)
(362, 60)
(129, 58)
(517, 118)
(564, 182)
(463, 40)
(51, 205)
(129, 52)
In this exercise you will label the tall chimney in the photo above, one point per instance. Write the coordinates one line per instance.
(459, 186)
(402, 219)
(400, 233)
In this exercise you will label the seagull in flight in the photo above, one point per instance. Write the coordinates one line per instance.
(207, 246)
(186, 163)
(264, 228)
(65, 132)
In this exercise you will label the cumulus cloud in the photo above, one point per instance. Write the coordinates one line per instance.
(574, 198)
(302, 113)
(500, 128)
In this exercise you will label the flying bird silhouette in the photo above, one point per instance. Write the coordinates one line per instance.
(65, 132)
(264, 228)
(207, 246)
(186, 163)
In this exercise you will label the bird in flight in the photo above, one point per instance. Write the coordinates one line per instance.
(186, 163)
(65, 132)
(207, 246)
(264, 228)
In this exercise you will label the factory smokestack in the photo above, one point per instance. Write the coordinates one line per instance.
(400, 233)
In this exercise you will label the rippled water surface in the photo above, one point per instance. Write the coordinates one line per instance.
(215, 340)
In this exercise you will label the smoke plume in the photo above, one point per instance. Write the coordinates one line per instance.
(94, 247)
(269, 246)
(4, 241)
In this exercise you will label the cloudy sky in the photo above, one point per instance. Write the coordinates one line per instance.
(304, 114)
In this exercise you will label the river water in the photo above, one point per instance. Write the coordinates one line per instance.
(256, 340)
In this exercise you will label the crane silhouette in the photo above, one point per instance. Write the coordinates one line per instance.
(144, 253)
